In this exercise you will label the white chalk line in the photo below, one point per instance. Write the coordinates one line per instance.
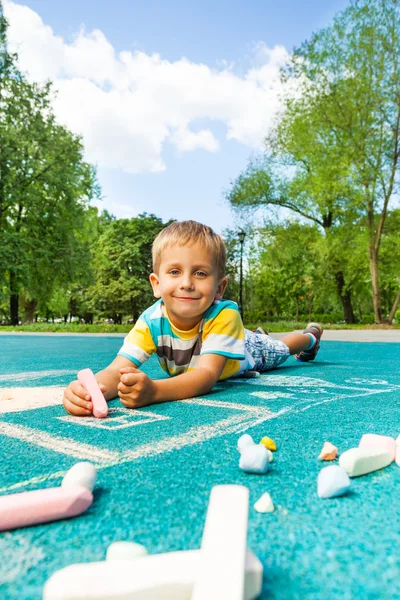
(250, 416)
(195, 435)
(56, 443)
(129, 418)
(35, 375)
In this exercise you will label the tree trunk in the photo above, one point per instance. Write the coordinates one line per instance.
(345, 297)
(394, 308)
(13, 300)
(29, 310)
(376, 293)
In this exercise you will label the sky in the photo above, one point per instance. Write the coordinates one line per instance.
(172, 99)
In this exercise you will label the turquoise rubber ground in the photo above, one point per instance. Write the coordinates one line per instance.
(157, 467)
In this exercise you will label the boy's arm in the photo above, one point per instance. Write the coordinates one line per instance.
(136, 389)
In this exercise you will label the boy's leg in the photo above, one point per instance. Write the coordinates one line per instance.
(304, 345)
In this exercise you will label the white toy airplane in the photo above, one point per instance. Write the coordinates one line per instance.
(222, 568)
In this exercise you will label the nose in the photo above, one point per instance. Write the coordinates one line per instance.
(186, 282)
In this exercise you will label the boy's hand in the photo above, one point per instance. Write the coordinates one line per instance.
(135, 389)
(77, 401)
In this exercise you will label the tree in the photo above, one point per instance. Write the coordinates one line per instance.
(45, 187)
(333, 157)
(350, 74)
(122, 266)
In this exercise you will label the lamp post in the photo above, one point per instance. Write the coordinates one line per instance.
(242, 235)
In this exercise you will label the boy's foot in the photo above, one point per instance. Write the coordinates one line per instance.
(260, 330)
(306, 355)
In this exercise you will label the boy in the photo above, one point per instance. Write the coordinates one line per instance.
(198, 337)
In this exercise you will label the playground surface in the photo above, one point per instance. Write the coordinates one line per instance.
(156, 466)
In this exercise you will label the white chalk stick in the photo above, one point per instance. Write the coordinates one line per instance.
(380, 442)
(223, 547)
(360, 461)
(168, 576)
(83, 474)
(88, 380)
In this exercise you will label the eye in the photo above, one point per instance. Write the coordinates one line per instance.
(201, 274)
(174, 272)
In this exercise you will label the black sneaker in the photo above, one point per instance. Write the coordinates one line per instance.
(307, 355)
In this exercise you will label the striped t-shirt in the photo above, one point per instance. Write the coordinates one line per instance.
(220, 331)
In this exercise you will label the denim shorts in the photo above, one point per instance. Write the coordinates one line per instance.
(266, 352)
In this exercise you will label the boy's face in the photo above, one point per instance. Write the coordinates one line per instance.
(188, 283)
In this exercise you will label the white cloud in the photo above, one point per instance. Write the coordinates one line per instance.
(127, 105)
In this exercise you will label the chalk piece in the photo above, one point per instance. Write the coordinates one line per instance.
(360, 461)
(88, 380)
(268, 443)
(244, 441)
(264, 504)
(222, 569)
(384, 442)
(125, 551)
(254, 459)
(398, 455)
(83, 474)
(333, 481)
(270, 455)
(328, 452)
(43, 506)
(398, 440)
(154, 577)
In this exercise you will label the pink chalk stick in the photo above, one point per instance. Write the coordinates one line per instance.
(373, 440)
(42, 506)
(88, 380)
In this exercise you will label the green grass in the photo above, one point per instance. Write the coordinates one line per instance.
(68, 328)
(278, 326)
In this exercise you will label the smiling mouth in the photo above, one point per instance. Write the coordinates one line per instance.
(185, 298)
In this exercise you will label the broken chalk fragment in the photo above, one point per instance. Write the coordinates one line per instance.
(360, 461)
(254, 459)
(244, 441)
(328, 452)
(264, 504)
(333, 481)
(268, 443)
(382, 442)
(270, 455)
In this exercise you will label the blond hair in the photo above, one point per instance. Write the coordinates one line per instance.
(187, 233)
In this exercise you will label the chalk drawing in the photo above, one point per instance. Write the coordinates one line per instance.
(17, 557)
(34, 375)
(300, 394)
(118, 418)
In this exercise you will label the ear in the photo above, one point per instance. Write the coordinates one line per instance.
(155, 284)
(221, 288)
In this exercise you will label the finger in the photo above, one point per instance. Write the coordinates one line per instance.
(126, 402)
(129, 370)
(129, 379)
(76, 410)
(80, 402)
(124, 389)
(79, 391)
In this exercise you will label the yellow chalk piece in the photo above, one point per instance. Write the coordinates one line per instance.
(268, 443)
